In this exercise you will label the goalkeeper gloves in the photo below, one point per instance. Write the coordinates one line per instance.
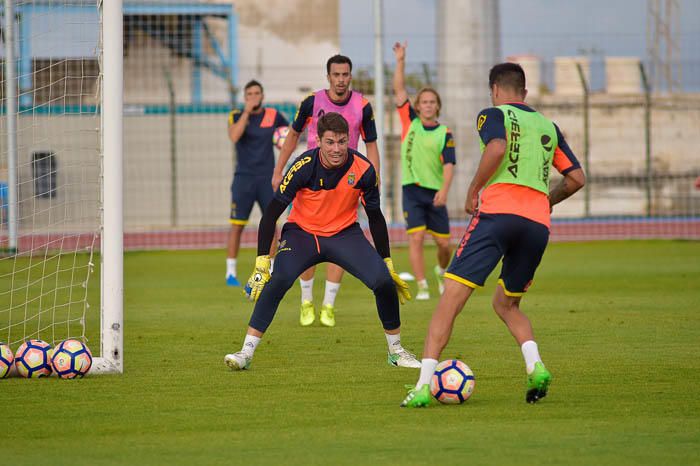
(258, 279)
(401, 286)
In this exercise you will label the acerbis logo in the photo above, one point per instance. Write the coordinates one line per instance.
(290, 174)
(514, 152)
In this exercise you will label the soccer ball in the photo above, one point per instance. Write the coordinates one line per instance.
(452, 383)
(6, 360)
(33, 359)
(71, 359)
(279, 136)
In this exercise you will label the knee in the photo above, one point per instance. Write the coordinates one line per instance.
(503, 305)
(443, 244)
(281, 281)
(383, 283)
(416, 238)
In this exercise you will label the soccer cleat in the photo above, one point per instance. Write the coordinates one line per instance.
(537, 383)
(327, 316)
(238, 361)
(308, 314)
(440, 280)
(231, 280)
(403, 359)
(418, 398)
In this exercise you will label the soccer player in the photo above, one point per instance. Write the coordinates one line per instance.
(427, 167)
(328, 182)
(358, 112)
(511, 219)
(251, 130)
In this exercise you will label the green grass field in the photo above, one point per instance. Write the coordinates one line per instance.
(617, 323)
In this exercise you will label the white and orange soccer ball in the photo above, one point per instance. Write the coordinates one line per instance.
(6, 360)
(71, 359)
(452, 383)
(33, 359)
(279, 136)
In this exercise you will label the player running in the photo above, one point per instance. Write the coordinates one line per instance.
(510, 222)
(328, 182)
(358, 113)
(427, 167)
(251, 130)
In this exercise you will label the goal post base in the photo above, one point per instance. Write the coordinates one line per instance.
(105, 366)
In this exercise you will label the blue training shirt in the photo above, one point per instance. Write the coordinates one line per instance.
(254, 154)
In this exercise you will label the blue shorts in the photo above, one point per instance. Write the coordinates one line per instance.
(420, 213)
(245, 191)
(490, 237)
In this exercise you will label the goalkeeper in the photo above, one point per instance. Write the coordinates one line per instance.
(327, 183)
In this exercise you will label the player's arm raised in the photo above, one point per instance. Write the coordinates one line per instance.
(400, 94)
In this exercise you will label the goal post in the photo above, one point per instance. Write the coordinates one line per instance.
(112, 318)
(61, 176)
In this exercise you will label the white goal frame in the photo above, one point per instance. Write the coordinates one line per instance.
(111, 358)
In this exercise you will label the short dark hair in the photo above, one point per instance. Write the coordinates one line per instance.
(253, 83)
(338, 60)
(333, 122)
(509, 75)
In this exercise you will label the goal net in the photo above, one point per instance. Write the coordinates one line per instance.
(52, 171)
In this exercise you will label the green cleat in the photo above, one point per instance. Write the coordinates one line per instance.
(418, 398)
(308, 314)
(440, 279)
(327, 317)
(537, 383)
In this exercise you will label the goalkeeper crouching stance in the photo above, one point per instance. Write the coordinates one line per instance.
(325, 185)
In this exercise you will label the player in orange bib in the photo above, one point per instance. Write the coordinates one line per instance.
(328, 182)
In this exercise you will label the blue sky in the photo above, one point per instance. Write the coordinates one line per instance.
(546, 28)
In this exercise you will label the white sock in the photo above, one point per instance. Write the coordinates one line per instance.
(427, 369)
(231, 266)
(331, 292)
(441, 270)
(307, 290)
(531, 355)
(422, 284)
(249, 345)
(394, 342)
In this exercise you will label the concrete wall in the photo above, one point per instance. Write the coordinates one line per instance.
(617, 148)
(282, 43)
